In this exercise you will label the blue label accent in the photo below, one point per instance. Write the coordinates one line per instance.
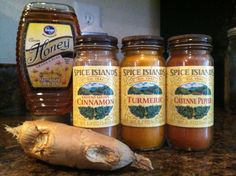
(49, 30)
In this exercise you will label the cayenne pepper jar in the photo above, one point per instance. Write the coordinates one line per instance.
(45, 54)
(143, 92)
(190, 92)
(96, 84)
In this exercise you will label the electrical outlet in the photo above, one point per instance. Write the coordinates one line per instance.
(88, 16)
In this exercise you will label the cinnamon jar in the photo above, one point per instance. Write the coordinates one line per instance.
(143, 92)
(96, 84)
(45, 53)
(190, 92)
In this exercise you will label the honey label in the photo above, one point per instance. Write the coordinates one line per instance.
(95, 96)
(49, 50)
(143, 96)
(190, 96)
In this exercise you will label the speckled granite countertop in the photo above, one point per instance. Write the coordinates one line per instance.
(220, 159)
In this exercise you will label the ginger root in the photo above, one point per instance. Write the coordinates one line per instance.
(60, 144)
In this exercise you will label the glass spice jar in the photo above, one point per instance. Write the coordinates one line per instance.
(45, 54)
(143, 92)
(190, 92)
(230, 73)
(96, 84)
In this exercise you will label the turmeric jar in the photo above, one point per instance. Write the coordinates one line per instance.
(96, 84)
(190, 92)
(45, 54)
(143, 92)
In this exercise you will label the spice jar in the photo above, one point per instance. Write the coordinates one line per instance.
(230, 73)
(96, 84)
(143, 92)
(190, 92)
(45, 53)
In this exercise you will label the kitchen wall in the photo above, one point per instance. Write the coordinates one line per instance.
(118, 18)
(128, 17)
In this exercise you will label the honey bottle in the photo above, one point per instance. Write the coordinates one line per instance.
(44, 55)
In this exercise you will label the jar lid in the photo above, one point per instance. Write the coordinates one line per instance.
(49, 7)
(189, 40)
(142, 41)
(231, 32)
(96, 40)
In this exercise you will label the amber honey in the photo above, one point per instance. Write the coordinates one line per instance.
(45, 52)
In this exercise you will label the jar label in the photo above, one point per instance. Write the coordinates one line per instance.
(49, 50)
(143, 96)
(190, 96)
(95, 96)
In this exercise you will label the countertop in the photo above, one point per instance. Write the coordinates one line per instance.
(220, 159)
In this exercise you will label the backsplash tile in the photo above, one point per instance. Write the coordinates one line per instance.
(12, 102)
